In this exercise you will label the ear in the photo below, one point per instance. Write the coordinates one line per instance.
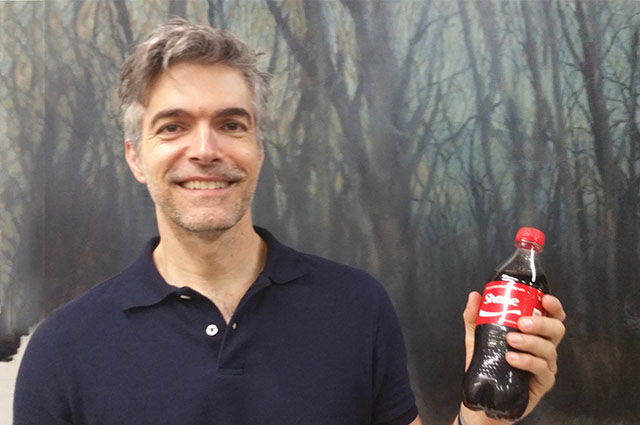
(134, 161)
(260, 158)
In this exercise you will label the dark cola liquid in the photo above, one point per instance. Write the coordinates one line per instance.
(490, 383)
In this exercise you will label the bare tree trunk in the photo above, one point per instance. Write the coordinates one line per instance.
(313, 159)
(177, 9)
(487, 210)
(389, 209)
(630, 199)
(525, 211)
(542, 118)
(576, 258)
(610, 174)
(124, 22)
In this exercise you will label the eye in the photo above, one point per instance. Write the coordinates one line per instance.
(234, 126)
(170, 129)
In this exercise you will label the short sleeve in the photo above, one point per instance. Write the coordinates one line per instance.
(394, 402)
(39, 394)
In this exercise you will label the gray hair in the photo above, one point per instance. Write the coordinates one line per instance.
(177, 41)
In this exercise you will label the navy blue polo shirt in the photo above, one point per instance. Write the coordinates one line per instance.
(311, 342)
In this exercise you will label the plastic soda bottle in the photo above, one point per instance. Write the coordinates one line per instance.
(515, 289)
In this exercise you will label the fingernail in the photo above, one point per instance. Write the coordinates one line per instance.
(515, 338)
(525, 323)
(512, 356)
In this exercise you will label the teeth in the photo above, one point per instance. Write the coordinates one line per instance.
(204, 185)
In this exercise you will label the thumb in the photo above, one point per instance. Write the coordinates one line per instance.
(469, 315)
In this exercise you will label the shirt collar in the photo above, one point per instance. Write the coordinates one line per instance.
(144, 286)
(283, 265)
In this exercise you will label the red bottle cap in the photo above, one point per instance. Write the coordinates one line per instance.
(530, 234)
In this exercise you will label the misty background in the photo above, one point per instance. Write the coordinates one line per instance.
(408, 137)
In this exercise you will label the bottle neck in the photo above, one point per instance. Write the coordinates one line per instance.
(529, 246)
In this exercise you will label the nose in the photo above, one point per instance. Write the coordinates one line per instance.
(205, 146)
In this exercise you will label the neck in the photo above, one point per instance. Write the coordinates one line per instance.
(225, 262)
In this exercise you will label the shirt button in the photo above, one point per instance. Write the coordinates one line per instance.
(185, 297)
(212, 330)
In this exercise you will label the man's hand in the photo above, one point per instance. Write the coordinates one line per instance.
(539, 341)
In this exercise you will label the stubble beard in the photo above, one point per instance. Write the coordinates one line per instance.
(201, 220)
(209, 221)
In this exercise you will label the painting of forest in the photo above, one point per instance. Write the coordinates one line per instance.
(410, 138)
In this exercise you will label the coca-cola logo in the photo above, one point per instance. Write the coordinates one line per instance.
(501, 299)
(504, 302)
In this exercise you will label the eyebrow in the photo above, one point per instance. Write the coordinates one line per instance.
(177, 112)
(167, 113)
(235, 112)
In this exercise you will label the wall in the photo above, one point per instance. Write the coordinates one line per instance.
(411, 138)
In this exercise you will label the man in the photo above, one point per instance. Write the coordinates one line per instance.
(217, 322)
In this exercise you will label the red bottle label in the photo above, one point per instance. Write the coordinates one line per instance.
(504, 302)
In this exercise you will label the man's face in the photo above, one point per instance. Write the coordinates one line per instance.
(198, 153)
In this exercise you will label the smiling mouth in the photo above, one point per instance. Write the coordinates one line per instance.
(204, 185)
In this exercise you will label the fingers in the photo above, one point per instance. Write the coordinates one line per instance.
(554, 308)
(540, 352)
(471, 310)
(469, 315)
(537, 344)
(550, 327)
(544, 377)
